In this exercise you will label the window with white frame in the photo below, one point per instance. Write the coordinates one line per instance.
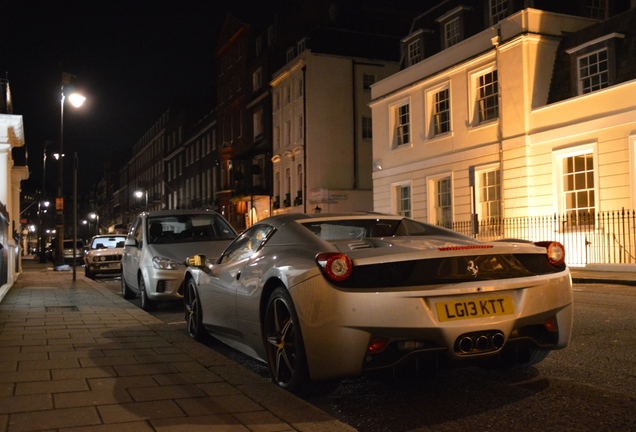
(593, 70)
(367, 81)
(402, 132)
(301, 45)
(498, 10)
(578, 187)
(402, 194)
(277, 137)
(414, 54)
(487, 91)
(452, 32)
(488, 193)
(300, 127)
(287, 132)
(367, 127)
(257, 80)
(442, 201)
(291, 53)
(286, 94)
(597, 9)
(441, 112)
(299, 87)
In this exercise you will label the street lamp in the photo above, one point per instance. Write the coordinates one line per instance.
(140, 193)
(95, 217)
(76, 100)
(41, 212)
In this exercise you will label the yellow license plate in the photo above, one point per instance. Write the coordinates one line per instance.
(475, 308)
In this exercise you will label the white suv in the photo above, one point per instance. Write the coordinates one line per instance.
(153, 262)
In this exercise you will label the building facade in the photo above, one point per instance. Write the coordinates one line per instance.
(518, 120)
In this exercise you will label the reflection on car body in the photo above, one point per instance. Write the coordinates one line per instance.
(325, 297)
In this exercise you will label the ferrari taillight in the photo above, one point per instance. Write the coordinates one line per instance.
(336, 266)
(556, 252)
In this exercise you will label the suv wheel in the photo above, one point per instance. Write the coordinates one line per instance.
(146, 303)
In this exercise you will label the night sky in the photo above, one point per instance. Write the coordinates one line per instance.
(131, 59)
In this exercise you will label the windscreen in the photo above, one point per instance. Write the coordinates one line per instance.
(188, 228)
(108, 242)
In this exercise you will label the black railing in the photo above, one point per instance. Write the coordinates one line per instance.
(589, 238)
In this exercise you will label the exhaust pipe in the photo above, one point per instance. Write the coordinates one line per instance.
(466, 344)
(479, 342)
(497, 340)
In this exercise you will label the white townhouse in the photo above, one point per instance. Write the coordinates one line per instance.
(11, 176)
(529, 122)
(322, 130)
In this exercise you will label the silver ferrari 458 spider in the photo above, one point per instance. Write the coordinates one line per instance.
(324, 297)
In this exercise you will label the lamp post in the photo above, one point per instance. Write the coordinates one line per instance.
(76, 100)
(140, 193)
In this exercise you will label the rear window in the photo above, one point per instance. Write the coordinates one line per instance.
(344, 229)
(108, 242)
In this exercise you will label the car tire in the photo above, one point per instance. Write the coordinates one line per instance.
(126, 292)
(193, 312)
(521, 358)
(284, 344)
(87, 273)
(146, 304)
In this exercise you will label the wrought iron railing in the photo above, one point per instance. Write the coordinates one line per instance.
(589, 238)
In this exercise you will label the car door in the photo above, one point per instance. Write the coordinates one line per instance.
(218, 293)
(132, 253)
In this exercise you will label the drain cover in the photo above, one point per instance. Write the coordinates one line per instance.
(60, 308)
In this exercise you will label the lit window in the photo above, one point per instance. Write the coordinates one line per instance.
(402, 125)
(414, 52)
(593, 72)
(452, 33)
(441, 112)
(489, 194)
(403, 200)
(498, 10)
(487, 100)
(443, 202)
(578, 186)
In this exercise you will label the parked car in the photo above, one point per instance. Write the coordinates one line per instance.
(153, 261)
(324, 297)
(67, 251)
(104, 255)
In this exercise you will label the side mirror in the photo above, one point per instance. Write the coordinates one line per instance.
(195, 261)
(130, 242)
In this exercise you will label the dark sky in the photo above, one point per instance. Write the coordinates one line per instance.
(131, 58)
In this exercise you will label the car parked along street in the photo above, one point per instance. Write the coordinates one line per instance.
(104, 255)
(153, 261)
(324, 297)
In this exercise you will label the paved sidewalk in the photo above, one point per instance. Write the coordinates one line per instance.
(75, 356)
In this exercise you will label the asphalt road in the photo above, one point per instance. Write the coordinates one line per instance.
(589, 386)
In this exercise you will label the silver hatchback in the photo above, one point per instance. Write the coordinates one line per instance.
(153, 262)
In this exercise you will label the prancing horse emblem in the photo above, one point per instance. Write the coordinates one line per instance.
(472, 268)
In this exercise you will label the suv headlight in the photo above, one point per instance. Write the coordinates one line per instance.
(164, 263)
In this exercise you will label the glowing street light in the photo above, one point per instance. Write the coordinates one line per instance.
(140, 193)
(76, 100)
